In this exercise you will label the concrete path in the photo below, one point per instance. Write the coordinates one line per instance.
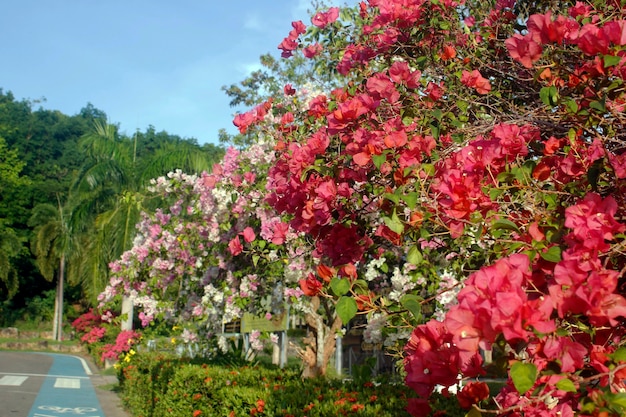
(54, 385)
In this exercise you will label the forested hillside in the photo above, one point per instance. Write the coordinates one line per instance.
(71, 191)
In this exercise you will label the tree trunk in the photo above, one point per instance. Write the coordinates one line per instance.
(320, 348)
(57, 328)
(127, 313)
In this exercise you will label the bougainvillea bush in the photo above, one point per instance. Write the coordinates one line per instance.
(477, 149)
(102, 336)
(215, 252)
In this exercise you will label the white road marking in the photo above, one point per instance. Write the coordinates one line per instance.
(13, 380)
(72, 383)
(45, 375)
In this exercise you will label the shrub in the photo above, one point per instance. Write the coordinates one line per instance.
(157, 384)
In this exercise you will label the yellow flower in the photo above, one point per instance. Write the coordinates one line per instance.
(173, 340)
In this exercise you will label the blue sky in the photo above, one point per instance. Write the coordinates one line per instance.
(143, 62)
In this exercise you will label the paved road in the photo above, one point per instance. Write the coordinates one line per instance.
(53, 385)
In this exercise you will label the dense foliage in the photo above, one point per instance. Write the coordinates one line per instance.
(155, 384)
(57, 182)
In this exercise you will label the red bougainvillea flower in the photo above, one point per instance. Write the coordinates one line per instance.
(418, 407)
(472, 393)
(310, 286)
(448, 52)
(323, 19)
(326, 272)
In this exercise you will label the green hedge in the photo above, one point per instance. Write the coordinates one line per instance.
(156, 385)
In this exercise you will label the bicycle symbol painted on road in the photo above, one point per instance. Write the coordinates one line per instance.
(66, 410)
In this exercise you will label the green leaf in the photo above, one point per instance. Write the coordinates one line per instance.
(571, 106)
(598, 105)
(566, 385)
(255, 259)
(410, 199)
(619, 355)
(553, 254)
(434, 128)
(340, 286)
(360, 285)
(617, 401)
(394, 223)
(549, 95)
(413, 303)
(414, 257)
(505, 224)
(572, 135)
(346, 309)
(524, 376)
(462, 105)
(429, 169)
(378, 160)
(392, 197)
(611, 60)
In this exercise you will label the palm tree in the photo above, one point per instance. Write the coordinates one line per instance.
(55, 244)
(112, 182)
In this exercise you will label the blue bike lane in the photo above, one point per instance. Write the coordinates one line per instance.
(67, 390)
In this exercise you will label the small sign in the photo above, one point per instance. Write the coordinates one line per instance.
(278, 323)
(368, 347)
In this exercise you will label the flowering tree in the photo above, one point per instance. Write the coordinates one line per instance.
(216, 252)
(476, 148)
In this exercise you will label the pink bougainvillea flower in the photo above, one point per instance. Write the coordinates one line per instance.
(288, 90)
(312, 50)
(523, 49)
(580, 9)
(418, 407)
(248, 234)
(592, 40)
(400, 73)
(279, 233)
(615, 31)
(288, 45)
(544, 30)
(323, 19)
(569, 353)
(235, 247)
(475, 80)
